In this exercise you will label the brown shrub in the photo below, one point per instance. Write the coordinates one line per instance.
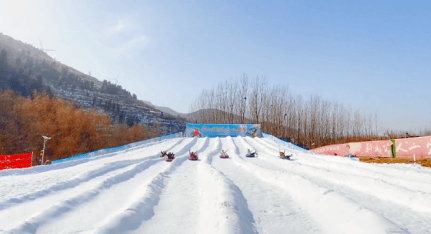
(15, 129)
(72, 130)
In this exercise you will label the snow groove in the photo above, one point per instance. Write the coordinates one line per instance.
(226, 209)
(274, 209)
(352, 217)
(136, 191)
(407, 174)
(379, 186)
(31, 225)
(410, 219)
(142, 208)
(89, 169)
(72, 183)
(95, 171)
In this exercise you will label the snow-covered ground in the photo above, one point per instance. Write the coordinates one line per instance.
(136, 191)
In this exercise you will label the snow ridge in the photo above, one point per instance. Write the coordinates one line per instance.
(141, 208)
(397, 190)
(137, 191)
(319, 201)
(226, 209)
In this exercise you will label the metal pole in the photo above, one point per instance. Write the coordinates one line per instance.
(43, 153)
(45, 138)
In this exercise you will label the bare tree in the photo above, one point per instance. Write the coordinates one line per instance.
(311, 123)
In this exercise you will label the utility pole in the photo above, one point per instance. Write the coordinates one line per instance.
(45, 139)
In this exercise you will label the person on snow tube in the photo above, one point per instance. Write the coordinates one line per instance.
(284, 156)
(193, 155)
(251, 154)
(171, 155)
(224, 154)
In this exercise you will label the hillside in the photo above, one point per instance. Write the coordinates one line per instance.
(213, 116)
(29, 64)
(136, 191)
(164, 109)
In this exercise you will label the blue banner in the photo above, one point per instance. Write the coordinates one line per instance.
(118, 148)
(223, 130)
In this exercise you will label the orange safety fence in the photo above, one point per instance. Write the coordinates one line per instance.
(15, 161)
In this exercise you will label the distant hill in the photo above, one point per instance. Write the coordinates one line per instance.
(164, 109)
(33, 69)
(213, 116)
(194, 116)
(18, 49)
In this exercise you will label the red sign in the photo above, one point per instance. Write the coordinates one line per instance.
(408, 147)
(371, 148)
(419, 147)
(339, 150)
(15, 161)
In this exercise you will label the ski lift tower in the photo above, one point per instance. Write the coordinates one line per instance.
(115, 80)
(41, 47)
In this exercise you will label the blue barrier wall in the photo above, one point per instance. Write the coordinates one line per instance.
(223, 130)
(119, 148)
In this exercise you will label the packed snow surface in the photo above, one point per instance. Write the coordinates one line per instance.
(136, 191)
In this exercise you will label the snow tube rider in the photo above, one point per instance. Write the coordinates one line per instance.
(224, 154)
(251, 154)
(193, 155)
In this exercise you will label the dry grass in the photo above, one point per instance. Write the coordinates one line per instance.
(426, 162)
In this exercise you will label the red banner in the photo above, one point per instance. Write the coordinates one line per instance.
(419, 147)
(15, 161)
(371, 148)
(339, 150)
(407, 147)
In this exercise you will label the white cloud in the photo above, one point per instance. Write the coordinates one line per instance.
(128, 47)
(138, 42)
(121, 24)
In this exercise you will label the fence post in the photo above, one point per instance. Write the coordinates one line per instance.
(394, 150)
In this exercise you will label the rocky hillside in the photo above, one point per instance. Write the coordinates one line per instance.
(29, 65)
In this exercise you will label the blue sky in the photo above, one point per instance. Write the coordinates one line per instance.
(372, 55)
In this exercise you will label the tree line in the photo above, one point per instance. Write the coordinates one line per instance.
(23, 121)
(311, 122)
(17, 80)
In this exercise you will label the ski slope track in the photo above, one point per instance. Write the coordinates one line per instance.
(137, 191)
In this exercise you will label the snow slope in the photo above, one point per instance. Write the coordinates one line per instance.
(136, 191)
